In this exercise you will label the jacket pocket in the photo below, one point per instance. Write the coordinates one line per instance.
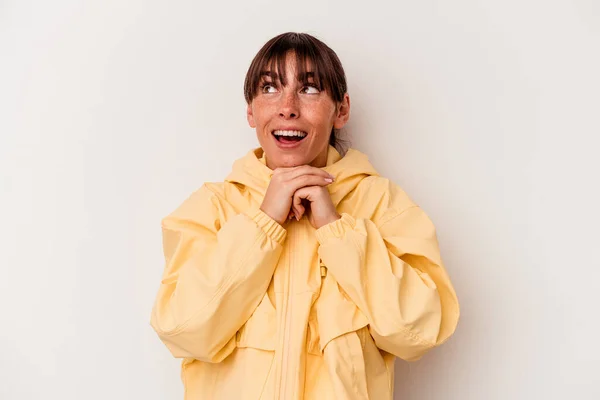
(345, 362)
(260, 331)
(336, 314)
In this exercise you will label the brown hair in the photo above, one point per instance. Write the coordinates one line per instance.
(328, 71)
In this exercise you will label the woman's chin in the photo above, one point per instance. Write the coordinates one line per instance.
(286, 160)
(289, 163)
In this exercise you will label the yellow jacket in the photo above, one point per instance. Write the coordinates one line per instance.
(261, 311)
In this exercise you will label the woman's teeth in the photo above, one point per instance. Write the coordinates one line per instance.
(299, 134)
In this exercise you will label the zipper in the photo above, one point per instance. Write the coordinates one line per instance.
(288, 328)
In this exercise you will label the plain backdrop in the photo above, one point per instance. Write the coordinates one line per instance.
(112, 112)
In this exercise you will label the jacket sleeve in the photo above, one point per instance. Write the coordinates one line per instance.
(394, 274)
(215, 275)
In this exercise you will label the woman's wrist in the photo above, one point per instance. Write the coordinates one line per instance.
(328, 220)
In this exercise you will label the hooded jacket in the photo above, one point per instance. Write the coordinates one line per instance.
(263, 311)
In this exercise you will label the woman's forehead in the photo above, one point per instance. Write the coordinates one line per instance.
(289, 66)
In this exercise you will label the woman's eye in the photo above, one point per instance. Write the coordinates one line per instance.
(309, 89)
(268, 88)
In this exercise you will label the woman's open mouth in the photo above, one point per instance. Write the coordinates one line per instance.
(289, 139)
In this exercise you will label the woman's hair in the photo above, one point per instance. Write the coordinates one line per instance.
(328, 71)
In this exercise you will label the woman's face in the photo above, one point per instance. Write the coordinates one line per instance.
(293, 122)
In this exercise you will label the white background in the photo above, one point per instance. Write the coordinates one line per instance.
(113, 112)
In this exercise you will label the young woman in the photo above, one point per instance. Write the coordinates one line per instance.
(305, 273)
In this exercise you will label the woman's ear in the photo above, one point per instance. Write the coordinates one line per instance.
(343, 112)
(250, 116)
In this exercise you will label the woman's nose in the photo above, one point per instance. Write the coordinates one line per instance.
(289, 106)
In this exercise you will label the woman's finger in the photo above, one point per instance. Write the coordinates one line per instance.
(309, 193)
(291, 173)
(308, 180)
(297, 206)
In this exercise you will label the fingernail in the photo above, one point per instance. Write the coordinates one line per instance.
(328, 180)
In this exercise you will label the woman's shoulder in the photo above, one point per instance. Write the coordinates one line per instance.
(213, 191)
(377, 185)
(388, 197)
(211, 201)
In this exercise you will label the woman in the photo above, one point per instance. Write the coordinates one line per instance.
(304, 274)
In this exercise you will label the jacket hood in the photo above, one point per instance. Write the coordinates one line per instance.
(252, 172)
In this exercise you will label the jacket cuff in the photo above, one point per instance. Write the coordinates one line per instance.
(268, 225)
(335, 229)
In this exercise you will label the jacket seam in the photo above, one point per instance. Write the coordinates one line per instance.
(262, 390)
(416, 338)
(369, 189)
(392, 217)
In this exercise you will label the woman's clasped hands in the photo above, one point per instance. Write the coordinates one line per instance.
(295, 191)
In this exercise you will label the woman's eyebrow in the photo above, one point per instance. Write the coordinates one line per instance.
(302, 77)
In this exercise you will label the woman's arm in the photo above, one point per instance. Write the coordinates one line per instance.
(215, 276)
(394, 274)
